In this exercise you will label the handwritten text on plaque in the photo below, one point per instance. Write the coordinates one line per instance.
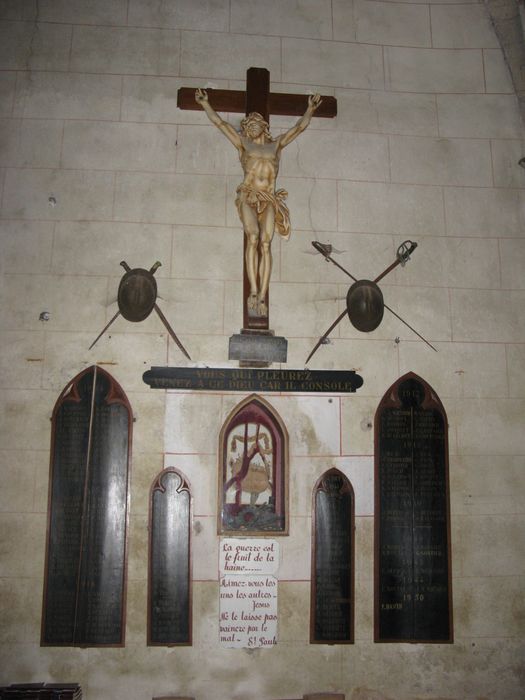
(248, 596)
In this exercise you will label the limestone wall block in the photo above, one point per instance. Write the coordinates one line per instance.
(393, 24)
(22, 359)
(337, 155)
(433, 70)
(22, 542)
(497, 75)
(426, 161)
(57, 195)
(385, 112)
(465, 26)
(407, 210)
(77, 12)
(458, 369)
(512, 252)
(516, 365)
(54, 95)
(481, 116)
(116, 146)
(30, 143)
(337, 64)
(487, 315)
(207, 253)
(210, 15)
(26, 246)
(150, 98)
(124, 50)
(222, 55)
(7, 92)
(309, 20)
(27, 46)
(484, 212)
(164, 199)
(493, 428)
(505, 157)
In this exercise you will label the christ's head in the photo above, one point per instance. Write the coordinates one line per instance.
(255, 125)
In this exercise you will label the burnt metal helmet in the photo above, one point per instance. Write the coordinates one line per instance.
(137, 292)
(365, 305)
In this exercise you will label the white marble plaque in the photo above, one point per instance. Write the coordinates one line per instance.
(248, 611)
(248, 592)
(248, 556)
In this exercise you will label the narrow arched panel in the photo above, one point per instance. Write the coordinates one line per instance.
(332, 576)
(84, 587)
(169, 580)
(253, 471)
(413, 595)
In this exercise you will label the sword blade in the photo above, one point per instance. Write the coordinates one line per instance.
(319, 247)
(171, 331)
(411, 328)
(388, 269)
(104, 329)
(320, 341)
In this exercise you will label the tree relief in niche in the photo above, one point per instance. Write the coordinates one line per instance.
(253, 488)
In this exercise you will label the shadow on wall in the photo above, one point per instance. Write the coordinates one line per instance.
(508, 19)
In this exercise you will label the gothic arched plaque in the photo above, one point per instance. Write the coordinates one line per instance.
(84, 586)
(253, 471)
(332, 577)
(169, 581)
(413, 597)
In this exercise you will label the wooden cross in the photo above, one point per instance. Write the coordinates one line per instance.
(257, 98)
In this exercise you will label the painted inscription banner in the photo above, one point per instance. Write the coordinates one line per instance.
(248, 598)
(247, 379)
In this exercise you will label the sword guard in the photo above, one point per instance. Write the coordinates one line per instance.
(324, 248)
(404, 251)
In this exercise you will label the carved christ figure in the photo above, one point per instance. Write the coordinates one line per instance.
(261, 208)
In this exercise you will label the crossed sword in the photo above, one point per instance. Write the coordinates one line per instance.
(403, 254)
(157, 309)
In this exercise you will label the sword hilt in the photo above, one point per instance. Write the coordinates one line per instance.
(405, 250)
(323, 248)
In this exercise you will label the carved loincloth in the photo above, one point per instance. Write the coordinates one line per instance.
(259, 200)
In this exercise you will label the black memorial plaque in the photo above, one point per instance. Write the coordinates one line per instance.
(247, 379)
(332, 578)
(68, 475)
(169, 593)
(413, 590)
(84, 594)
(41, 691)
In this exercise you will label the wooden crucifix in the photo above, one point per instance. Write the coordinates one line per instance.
(261, 208)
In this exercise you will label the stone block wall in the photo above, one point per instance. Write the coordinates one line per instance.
(97, 165)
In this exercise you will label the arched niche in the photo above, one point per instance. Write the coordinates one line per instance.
(253, 471)
(85, 575)
(413, 594)
(332, 575)
(169, 570)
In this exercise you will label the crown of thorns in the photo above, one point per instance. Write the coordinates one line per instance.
(255, 117)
